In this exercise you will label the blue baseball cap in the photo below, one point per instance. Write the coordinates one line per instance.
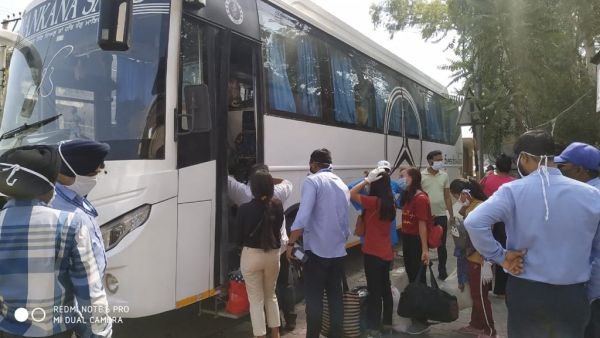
(580, 154)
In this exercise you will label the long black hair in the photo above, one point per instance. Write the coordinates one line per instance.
(383, 191)
(414, 186)
(475, 190)
(261, 185)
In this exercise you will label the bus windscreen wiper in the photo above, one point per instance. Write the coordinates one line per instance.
(26, 126)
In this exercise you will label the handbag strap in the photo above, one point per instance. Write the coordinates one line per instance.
(434, 283)
(345, 287)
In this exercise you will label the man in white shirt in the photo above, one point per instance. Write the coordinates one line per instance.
(240, 193)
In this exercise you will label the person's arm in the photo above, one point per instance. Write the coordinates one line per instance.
(479, 226)
(87, 282)
(423, 237)
(356, 206)
(448, 200)
(594, 283)
(307, 202)
(239, 193)
(355, 192)
(283, 190)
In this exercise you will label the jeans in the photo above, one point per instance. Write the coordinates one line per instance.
(379, 286)
(286, 295)
(442, 251)
(544, 310)
(323, 274)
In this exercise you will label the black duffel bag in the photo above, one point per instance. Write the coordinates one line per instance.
(421, 301)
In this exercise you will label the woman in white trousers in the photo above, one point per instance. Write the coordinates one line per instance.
(258, 224)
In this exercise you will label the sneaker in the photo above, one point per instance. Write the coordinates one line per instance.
(417, 327)
(443, 276)
(471, 330)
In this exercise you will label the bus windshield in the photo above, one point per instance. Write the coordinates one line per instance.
(57, 68)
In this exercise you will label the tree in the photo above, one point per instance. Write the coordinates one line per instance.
(527, 59)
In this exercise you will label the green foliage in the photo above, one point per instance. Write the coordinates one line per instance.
(527, 59)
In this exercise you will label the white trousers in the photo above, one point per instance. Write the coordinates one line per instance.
(260, 270)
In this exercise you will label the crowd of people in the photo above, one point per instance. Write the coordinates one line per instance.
(534, 241)
(537, 238)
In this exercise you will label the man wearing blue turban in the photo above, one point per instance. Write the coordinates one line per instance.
(82, 161)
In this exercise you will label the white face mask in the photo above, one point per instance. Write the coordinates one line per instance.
(466, 203)
(437, 165)
(84, 184)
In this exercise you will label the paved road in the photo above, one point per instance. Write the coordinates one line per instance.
(185, 323)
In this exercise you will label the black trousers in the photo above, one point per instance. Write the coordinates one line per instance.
(379, 286)
(286, 293)
(546, 311)
(593, 328)
(500, 276)
(322, 274)
(411, 250)
(442, 251)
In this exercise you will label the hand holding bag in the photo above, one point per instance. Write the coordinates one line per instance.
(421, 301)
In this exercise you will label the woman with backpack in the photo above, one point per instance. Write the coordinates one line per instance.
(379, 213)
(258, 224)
(470, 194)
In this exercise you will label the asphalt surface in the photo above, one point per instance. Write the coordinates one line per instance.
(187, 323)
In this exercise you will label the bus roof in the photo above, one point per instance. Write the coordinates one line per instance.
(315, 15)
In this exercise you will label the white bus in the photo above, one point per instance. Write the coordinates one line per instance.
(207, 88)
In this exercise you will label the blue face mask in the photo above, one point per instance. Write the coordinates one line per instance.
(402, 183)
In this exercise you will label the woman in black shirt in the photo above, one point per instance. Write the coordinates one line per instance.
(259, 222)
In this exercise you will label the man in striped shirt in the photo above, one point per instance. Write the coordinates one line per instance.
(49, 278)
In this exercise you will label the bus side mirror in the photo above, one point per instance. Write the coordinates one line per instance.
(114, 26)
(197, 117)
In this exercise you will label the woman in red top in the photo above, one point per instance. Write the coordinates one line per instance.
(416, 213)
(379, 213)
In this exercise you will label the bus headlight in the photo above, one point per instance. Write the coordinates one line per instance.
(114, 231)
(112, 283)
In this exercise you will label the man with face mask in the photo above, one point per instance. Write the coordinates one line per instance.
(82, 162)
(437, 185)
(581, 162)
(47, 267)
(553, 242)
(322, 221)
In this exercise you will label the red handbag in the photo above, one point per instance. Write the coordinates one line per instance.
(238, 298)
(434, 235)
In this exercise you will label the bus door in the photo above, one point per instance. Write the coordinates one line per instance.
(240, 143)
(198, 150)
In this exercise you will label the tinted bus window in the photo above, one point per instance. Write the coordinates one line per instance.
(292, 63)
